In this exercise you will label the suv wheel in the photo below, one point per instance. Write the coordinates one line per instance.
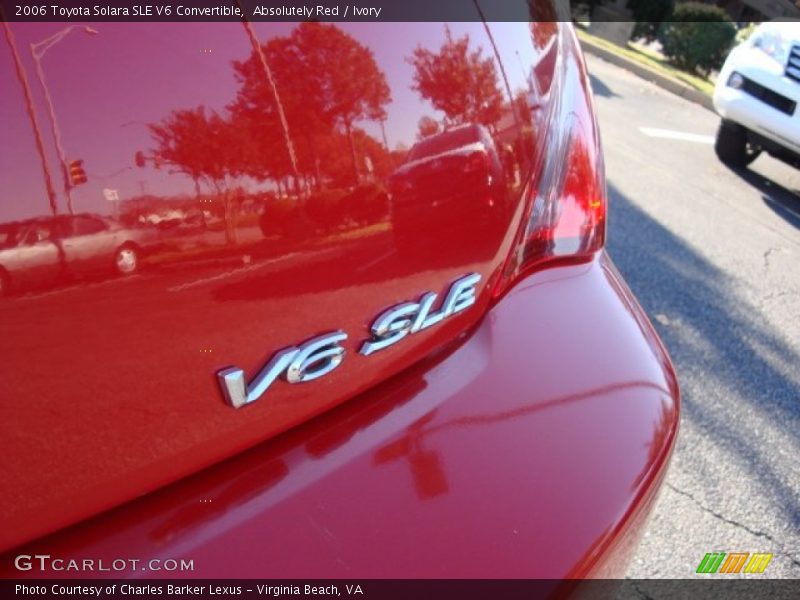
(732, 146)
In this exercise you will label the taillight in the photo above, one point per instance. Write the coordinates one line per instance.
(566, 205)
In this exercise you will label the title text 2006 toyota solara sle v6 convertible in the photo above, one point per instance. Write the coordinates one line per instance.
(332, 301)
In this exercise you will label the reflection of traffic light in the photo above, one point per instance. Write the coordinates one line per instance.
(77, 175)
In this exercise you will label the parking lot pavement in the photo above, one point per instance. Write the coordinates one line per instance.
(714, 257)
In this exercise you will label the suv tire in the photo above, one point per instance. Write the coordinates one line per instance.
(732, 146)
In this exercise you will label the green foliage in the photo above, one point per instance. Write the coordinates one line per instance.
(649, 14)
(745, 32)
(697, 37)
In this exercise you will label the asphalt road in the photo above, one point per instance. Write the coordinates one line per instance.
(714, 257)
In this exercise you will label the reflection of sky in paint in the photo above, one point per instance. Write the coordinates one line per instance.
(107, 86)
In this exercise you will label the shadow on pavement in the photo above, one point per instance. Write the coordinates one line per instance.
(714, 335)
(601, 89)
(779, 208)
(783, 201)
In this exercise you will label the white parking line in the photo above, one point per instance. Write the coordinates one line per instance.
(74, 287)
(253, 267)
(677, 135)
(231, 273)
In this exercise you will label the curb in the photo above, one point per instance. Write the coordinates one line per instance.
(662, 81)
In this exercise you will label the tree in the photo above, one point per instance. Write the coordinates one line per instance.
(344, 75)
(649, 14)
(338, 166)
(204, 147)
(255, 106)
(326, 79)
(697, 37)
(426, 127)
(459, 82)
(180, 139)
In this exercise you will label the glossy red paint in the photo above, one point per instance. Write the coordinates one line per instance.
(270, 183)
(501, 456)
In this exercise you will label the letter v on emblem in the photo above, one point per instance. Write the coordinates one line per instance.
(296, 364)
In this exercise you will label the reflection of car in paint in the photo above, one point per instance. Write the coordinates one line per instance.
(43, 250)
(459, 170)
(524, 435)
(449, 165)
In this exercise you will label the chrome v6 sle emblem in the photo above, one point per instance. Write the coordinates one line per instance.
(322, 354)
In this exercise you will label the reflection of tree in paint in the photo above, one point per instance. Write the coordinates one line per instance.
(426, 127)
(203, 146)
(458, 81)
(191, 142)
(328, 81)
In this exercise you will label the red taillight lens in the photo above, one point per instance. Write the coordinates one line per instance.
(566, 216)
(568, 212)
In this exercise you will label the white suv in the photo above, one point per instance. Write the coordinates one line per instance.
(757, 96)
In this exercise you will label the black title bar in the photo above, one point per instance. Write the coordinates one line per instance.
(393, 589)
(283, 11)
